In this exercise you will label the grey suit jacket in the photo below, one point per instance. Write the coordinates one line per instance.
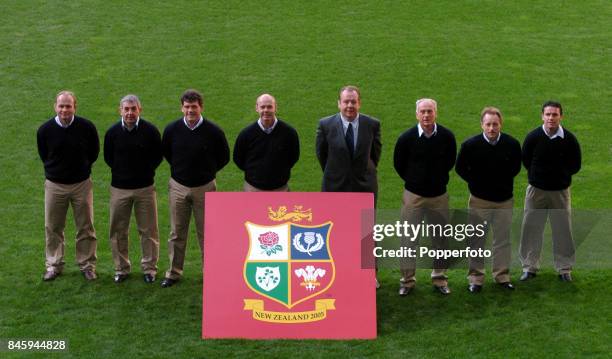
(340, 172)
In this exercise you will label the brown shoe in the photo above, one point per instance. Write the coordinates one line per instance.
(89, 274)
(50, 275)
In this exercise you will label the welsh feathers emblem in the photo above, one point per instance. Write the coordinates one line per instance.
(310, 274)
(289, 263)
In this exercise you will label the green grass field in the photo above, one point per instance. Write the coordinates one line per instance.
(465, 54)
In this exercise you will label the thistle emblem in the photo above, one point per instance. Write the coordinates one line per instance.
(310, 242)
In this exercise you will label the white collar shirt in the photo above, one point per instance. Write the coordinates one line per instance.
(200, 122)
(559, 133)
(267, 130)
(492, 142)
(61, 124)
(422, 132)
(130, 129)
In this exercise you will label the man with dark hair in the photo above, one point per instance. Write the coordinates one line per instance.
(132, 149)
(423, 156)
(196, 150)
(68, 145)
(551, 155)
(267, 149)
(192, 96)
(488, 162)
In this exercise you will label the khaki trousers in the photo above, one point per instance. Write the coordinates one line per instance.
(498, 216)
(144, 202)
(57, 199)
(185, 201)
(435, 211)
(541, 205)
(250, 188)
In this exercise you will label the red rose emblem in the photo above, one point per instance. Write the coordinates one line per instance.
(269, 243)
(268, 239)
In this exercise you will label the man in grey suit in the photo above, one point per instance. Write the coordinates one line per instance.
(348, 147)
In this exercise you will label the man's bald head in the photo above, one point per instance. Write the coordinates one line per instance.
(266, 108)
(265, 97)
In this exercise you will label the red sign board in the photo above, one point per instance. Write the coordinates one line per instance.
(288, 265)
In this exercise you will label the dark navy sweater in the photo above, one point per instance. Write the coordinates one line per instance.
(196, 155)
(133, 155)
(68, 152)
(550, 163)
(267, 159)
(423, 163)
(489, 169)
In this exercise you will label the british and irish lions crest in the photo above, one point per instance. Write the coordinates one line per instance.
(289, 263)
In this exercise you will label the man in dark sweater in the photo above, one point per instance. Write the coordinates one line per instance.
(68, 145)
(196, 150)
(488, 162)
(551, 155)
(132, 149)
(423, 157)
(267, 149)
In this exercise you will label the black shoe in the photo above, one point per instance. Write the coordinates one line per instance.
(565, 277)
(119, 277)
(404, 291)
(168, 282)
(444, 290)
(148, 278)
(474, 288)
(526, 276)
(506, 285)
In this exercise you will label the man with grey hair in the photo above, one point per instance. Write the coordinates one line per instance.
(132, 149)
(423, 156)
(68, 146)
(267, 149)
